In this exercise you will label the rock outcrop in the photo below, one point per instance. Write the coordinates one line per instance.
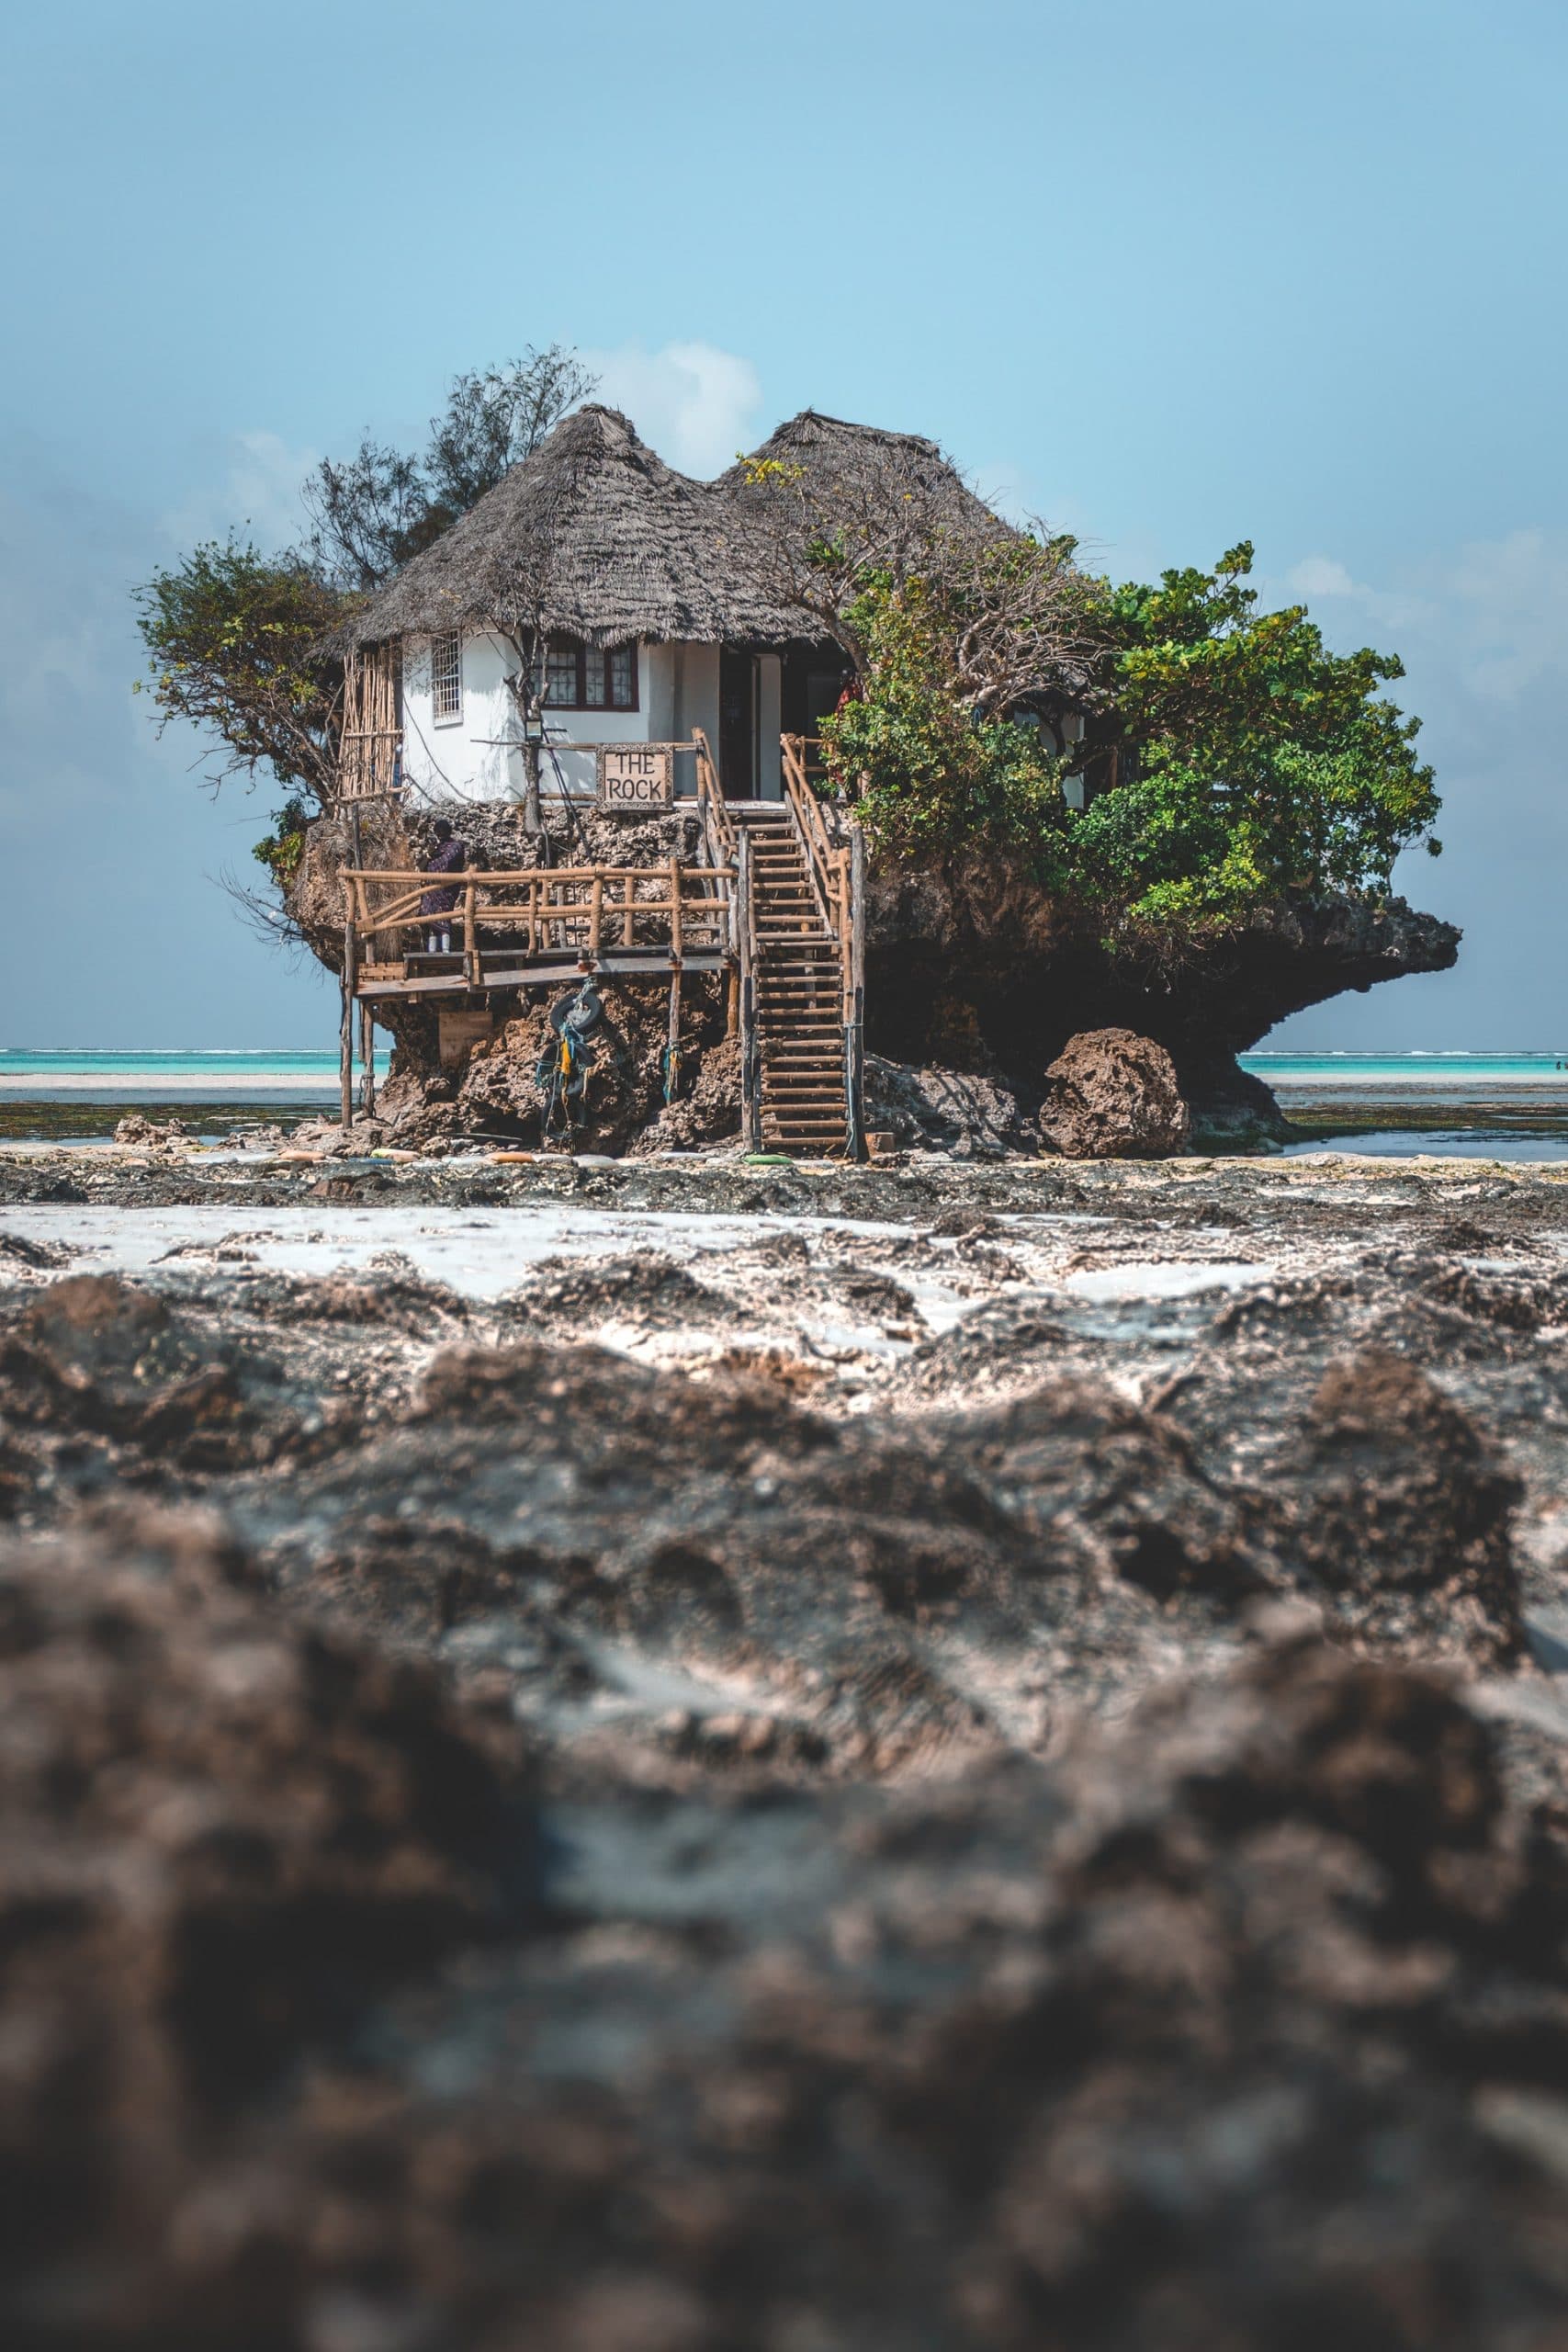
(962, 1112)
(971, 973)
(1114, 1095)
(988, 956)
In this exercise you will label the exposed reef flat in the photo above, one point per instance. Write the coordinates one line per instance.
(679, 1754)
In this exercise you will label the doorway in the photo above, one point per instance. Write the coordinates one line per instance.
(738, 723)
(814, 678)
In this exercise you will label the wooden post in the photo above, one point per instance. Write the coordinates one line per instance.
(750, 1072)
(345, 1027)
(367, 1060)
(673, 1050)
(854, 1008)
(732, 1009)
(471, 936)
(597, 903)
(677, 931)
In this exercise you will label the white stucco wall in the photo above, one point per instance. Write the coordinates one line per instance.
(473, 756)
(695, 703)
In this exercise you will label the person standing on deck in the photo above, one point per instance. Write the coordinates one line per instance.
(451, 855)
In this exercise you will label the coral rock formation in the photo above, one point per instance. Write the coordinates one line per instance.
(1114, 1095)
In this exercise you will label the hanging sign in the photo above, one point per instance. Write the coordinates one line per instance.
(635, 779)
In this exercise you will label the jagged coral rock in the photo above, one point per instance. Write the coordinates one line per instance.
(1114, 1095)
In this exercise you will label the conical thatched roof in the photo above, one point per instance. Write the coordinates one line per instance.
(612, 543)
(864, 462)
(615, 544)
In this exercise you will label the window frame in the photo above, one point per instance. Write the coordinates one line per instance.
(604, 654)
(454, 638)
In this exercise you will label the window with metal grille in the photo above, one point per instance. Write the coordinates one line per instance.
(447, 676)
(581, 677)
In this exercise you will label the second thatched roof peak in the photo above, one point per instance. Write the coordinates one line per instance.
(596, 536)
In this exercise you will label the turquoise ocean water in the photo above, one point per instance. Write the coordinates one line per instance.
(1508, 1106)
(212, 1072)
(1460, 1072)
(45, 1069)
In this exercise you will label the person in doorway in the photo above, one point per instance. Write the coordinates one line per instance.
(450, 856)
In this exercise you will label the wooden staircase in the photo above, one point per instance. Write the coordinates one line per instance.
(799, 980)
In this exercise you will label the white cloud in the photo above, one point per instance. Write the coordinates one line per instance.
(1319, 575)
(257, 495)
(1488, 620)
(693, 404)
(1510, 601)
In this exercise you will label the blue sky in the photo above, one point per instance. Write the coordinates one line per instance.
(1169, 276)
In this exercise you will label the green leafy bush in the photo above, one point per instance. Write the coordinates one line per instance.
(1231, 757)
(233, 637)
(282, 851)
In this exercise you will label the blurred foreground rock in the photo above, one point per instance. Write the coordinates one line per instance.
(1243, 2025)
(221, 1833)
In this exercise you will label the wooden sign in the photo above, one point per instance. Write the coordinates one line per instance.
(635, 779)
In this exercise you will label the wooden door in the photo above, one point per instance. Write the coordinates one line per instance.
(738, 723)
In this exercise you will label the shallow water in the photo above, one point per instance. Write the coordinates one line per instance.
(1509, 1106)
(1479, 1142)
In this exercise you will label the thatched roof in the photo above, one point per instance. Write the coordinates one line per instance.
(618, 545)
(834, 454)
(614, 545)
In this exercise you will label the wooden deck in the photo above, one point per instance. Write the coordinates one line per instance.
(773, 898)
(535, 918)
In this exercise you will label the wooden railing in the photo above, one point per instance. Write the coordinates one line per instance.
(581, 911)
(719, 837)
(835, 860)
(827, 859)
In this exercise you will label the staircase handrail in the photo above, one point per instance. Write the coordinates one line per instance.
(826, 863)
(718, 826)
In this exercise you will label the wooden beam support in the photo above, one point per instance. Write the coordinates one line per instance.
(751, 1062)
(345, 1030)
(854, 1027)
(672, 1049)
